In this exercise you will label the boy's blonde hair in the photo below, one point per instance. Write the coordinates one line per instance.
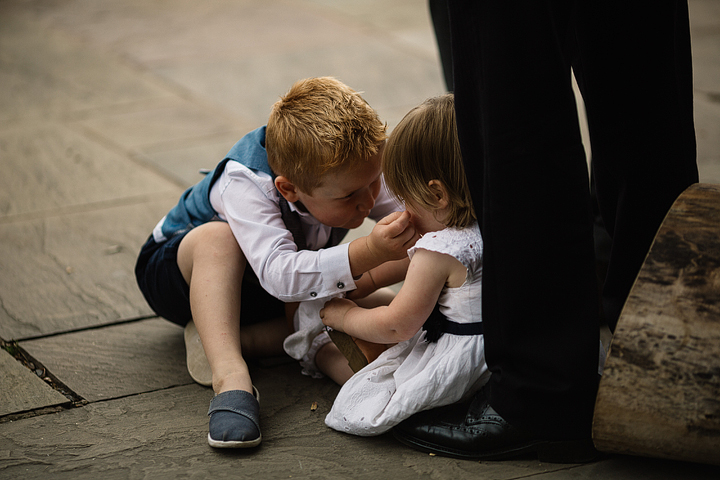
(319, 125)
(424, 147)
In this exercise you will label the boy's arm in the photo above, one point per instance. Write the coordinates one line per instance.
(389, 240)
(248, 202)
(402, 319)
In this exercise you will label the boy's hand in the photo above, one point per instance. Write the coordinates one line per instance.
(333, 314)
(389, 240)
(391, 237)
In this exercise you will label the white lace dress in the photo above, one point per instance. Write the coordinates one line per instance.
(417, 375)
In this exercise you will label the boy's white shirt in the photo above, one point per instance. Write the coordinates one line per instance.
(248, 201)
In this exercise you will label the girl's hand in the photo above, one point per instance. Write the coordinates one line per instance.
(333, 314)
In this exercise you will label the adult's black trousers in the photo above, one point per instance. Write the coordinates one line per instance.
(521, 143)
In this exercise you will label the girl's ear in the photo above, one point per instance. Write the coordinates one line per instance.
(286, 188)
(439, 192)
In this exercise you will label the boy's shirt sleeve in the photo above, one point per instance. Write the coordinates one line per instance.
(248, 201)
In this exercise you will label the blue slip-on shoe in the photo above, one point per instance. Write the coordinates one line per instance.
(235, 420)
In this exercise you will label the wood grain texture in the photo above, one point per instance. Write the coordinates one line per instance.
(660, 392)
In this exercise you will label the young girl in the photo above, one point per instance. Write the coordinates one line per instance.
(423, 167)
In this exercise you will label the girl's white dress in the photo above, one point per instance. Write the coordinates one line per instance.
(416, 375)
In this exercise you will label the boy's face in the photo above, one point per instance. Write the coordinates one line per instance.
(345, 197)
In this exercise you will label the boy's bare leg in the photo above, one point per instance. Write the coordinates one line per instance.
(264, 339)
(212, 263)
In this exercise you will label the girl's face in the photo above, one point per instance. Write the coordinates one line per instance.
(423, 220)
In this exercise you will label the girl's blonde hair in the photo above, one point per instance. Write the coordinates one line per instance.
(319, 125)
(424, 147)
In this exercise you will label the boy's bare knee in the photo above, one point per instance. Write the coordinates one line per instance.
(209, 242)
(214, 233)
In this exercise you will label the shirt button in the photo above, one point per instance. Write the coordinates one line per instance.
(341, 285)
(313, 294)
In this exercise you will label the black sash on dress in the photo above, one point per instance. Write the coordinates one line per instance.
(437, 324)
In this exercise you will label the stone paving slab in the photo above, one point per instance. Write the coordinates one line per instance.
(707, 132)
(705, 28)
(414, 79)
(229, 53)
(394, 18)
(48, 166)
(140, 437)
(75, 270)
(164, 121)
(22, 390)
(183, 161)
(705, 32)
(116, 361)
(634, 468)
(150, 33)
(61, 75)
(162, 434)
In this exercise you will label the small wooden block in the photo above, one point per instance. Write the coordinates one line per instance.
(355, 357)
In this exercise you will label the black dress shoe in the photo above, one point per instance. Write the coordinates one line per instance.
(474, 430)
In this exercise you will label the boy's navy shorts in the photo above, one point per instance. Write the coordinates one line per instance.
(167, 293)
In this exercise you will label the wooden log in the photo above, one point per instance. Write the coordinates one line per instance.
(660, 392)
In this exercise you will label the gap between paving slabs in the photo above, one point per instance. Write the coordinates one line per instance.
(35, 366)
(74, 399)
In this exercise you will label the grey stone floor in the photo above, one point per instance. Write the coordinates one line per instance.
(107, 111)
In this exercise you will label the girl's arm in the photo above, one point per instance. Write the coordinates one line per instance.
(384, 275)
(399, 321)
(390, 273)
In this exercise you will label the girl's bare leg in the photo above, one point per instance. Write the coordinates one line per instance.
(331, 362)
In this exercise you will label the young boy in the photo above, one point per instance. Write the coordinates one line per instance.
(262, 230)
